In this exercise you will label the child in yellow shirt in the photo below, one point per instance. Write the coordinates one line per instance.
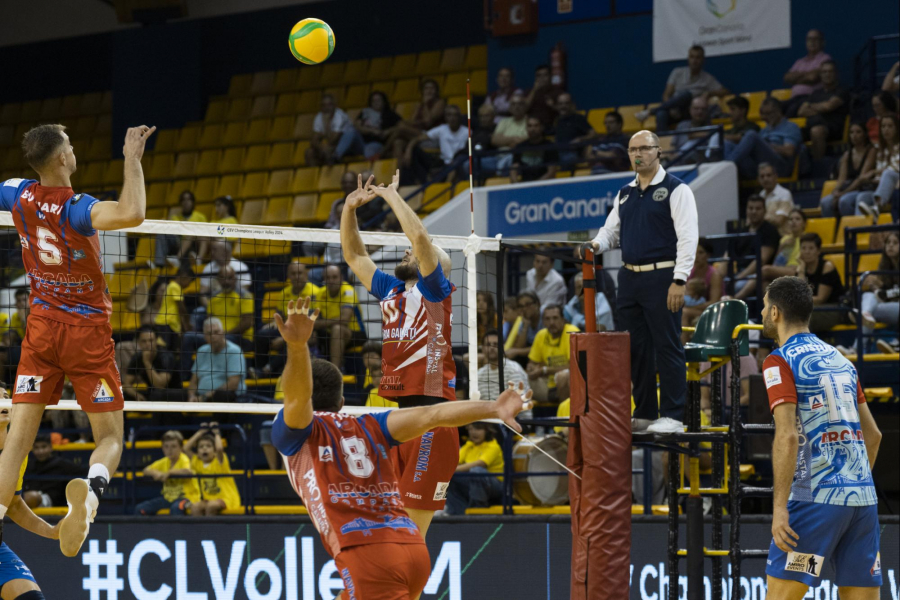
(178, 493)
(481, 454)
(218, 493)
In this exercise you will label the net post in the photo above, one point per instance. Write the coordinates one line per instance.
(588, 268)
(471, 254)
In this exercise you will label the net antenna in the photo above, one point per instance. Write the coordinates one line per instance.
(471, 185)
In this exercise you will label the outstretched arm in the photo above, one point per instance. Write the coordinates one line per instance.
(410, 223)
(296, 381)
(23, 516)
(129, 211)
(351, 242)
(409, 423)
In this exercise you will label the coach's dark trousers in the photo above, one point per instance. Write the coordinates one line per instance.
(655, 343)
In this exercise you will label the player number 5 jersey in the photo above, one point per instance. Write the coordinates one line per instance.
(832, 464)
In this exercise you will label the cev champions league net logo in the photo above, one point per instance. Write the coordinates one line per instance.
(720, 8)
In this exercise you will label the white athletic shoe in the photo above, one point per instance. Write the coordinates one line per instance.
(640, 425)
(666, 425)
(75, 525)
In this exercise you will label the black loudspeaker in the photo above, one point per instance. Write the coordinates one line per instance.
(149, 11)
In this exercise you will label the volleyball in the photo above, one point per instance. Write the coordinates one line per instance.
(311, 41)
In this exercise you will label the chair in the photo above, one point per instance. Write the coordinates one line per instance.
(262, 83)
(405, 191)
(596, 118)
(308, 77)
(323, 208)
(177, 188)
(287, 104)
(285, 80)
(476, 57)
(282, 128)
(211, 136)
(453, 59)
(712, 336)
(862, 240)
(336, 92)
(359, 167)
(239, 109)
(479, 82)
(240, 84)
(162, 166)
(332, 74)
(234, 134)
(31, 111)
(303, 126)
(216, 111)
(165, 140)
(330, 178)
(436, 195)
(357, 96)
(104, 125)
(257, 158)
(258, 131)
(71, 106)
(379, 68)
(10, 113)
(209, 163)
(254, 185)
(84, 127)
(157, 193)
(93, 175)
(91, 103)
(460, 103)
(227, 185)
(188, 138)
(630, 122)
(755, 99)
(232, 160)
(114, 173)
(868, 262)
(839, 264)
(50, 109)
(455, 85)
(106, 102)
(828, 187)
(205, 188)
(299, 157)
(185, 166)
(406, 109)
(309, 102)
(356, 71)
(279, 182)
(281, 155)
(278, 211)
(253, 211)
(824, 227)
(782, 95)
(305, 180)
(428, 63)
(303, 209)
(404, 65)
(492, 181)
(385, 86)
(384, 170)
(263, 106)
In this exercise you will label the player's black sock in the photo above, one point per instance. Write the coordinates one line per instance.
(99, 485)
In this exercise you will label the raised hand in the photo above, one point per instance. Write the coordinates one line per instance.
(299, 324)
(135, 140)
(383, 190)
(361, 195)
(511, 402)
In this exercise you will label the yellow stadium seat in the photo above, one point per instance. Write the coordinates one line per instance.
(631, 123)
(84, 127)
(281, 155)
(853, 221)
(755, 99)
(90, 103)
(309, 102)
(211, 136)
(384, 86)
(379, 68)
(258, 131)
(282, 128)
(885, 219)
(31, 111)
(278, 211)
(403, 65)
(106, 102)
(240, 84)
(263, 106)
(384, 169)
(428, 63)
(185, 166)
(104, 125)
(303, 209)
(232, 160)
(824, 227)
(71, 105)
(228, 185)
(205, 188)
(156, 213)
(10, 113)
(838, 260)
(828, 187)
(305, 180)
(299, 157)
(209, 163)
(50, 109)
(492, 181)
(783, 95)
(332, 74)
(206, 209)
(253, 211)
(178, 187)
(262, 82)
(455, 85)
(114, 173)
(868, 262)
(406, 109)
(308, 77)
(798, 121)
(161, 167)
(239, 109)
(405, 191)
(323, 209)
(476, 57)
(436, 195)
(357, 96)
(460, 103)
(359, 167)
(93, 175)
(285, 80)
(596, 118)
(303, 126)
(356, 71)
(287, 104)
(453, 59)
(256, 158)
(254, 185)
(279, 182)
(188, 138)
(650, 121)
(165, 140)
(479, 83)
(330, 178)
(158, 193)
(234, 134)
(216, 111)
(336, 92)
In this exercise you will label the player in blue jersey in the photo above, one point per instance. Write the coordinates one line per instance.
(826, 441)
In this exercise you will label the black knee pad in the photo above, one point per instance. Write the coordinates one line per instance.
(32, 595)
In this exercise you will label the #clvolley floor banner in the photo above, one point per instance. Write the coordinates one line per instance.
(720, 26)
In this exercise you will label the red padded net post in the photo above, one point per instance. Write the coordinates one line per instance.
(600, 453)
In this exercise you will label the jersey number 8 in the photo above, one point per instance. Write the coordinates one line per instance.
(357, 456)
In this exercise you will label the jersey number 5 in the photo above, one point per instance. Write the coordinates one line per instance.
(49, 254)
(357, 456)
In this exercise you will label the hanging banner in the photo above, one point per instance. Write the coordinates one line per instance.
(720, 26)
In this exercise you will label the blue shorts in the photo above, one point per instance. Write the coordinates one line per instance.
(847, 537)
(11, 567)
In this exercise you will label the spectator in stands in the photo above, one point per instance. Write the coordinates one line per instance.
(221, 257)
(749, 367)
(769, 240)
(489, 383)
(269, 346)
(687, 142)
(891, 81)
(825, 281)
(886, 174)
(779, 200)
(219, 372)
(530, 307)
(548, 361)
(371, 357)
(154, 368)
(574, 309)
(480, 455)
(329, 125)
(684, 84)
(12, 334)
(450, 138)
(172, 318)
(339, 322)
(541, 99)
(704, 286)
(610, 153)
(858, 159)
(511, 317)
(429, 114)
(738, 107)
(545, 281)
(499, 99)
(167, 244)
(778, 143)
(534, 165)
(482, 136)
(510, 131)
(224, 213)
(571, 128)
(216, 493)
(881, 293)
(179, 489)
(787, 259)
(803, 76)
(373, 126)
(44, 463)
(826, 110)
(486, 312)
(883, 103)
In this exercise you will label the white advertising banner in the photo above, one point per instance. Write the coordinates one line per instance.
(720, 26)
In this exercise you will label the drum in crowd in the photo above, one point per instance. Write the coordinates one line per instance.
(541, 490)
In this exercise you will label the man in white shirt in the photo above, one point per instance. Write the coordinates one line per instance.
(489, 374)
(328, 126)
(779, 200)
(220, 252)
(450, 138)
(546, 282)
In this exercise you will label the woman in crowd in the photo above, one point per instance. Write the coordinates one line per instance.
(881, 293)
(224, 213)
(858, 159)
(704, 286)
(429, 113)
(486, 313)
(824, 280)
(373, 127)
(499, 98)
(883, 103)
(886, 174)
(788, 258)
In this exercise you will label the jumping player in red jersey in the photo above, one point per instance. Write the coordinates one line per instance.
(339, 465)
(68, 332)
(417, 361)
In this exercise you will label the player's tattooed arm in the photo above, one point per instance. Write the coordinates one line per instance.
(351, 242)
(296, 380)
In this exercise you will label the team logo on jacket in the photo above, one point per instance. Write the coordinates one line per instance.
(28, 384)
(660, 194)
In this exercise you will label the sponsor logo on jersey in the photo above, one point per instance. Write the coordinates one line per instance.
(452, 384)
(416, 496)
(772, 376)
(875, 571)
(660, 194)
(349, 586)
(13, 182)
(424, 455)
(367, 526)
(325, 454)
(440, 491)
(391, 382)
(382, 490)
(815, 402)
(78, 254)
(28, 384)
(622, 200)
(841, 435)
(53, 209)
(798, 562)
(24, 241)
(28, 196)
(103, 393)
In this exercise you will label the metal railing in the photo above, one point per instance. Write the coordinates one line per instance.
(869, 63)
